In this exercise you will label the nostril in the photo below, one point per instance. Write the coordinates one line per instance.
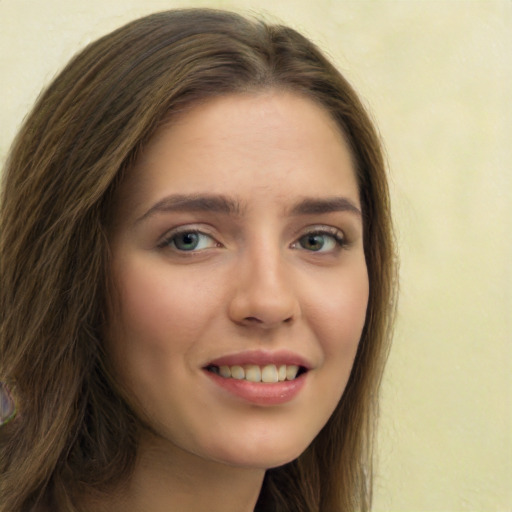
(259, 321)
(253, 319)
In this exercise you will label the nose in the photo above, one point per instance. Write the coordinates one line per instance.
(264, 293)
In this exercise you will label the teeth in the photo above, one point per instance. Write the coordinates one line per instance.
(225, 371)
(237, 372)
(291, 372)
(269, 373)
(254, 373)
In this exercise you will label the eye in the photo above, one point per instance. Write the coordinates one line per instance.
(322, 240)
(188, 241)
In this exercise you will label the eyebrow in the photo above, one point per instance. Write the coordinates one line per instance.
(195, 203)
(228, 206)
(312, 206)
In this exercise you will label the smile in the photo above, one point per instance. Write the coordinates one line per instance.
(270, 373)
(260, 377)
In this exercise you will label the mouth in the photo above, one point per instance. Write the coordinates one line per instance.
(269, 373)
(259, 377)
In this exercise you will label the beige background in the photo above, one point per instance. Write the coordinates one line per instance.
(437, 76)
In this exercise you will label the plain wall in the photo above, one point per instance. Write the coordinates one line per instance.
(437, 76)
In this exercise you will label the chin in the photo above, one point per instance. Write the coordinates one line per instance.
(262, 453)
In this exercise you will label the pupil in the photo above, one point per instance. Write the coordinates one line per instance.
(314, 242)
(187, 241)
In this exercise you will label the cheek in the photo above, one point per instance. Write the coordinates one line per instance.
(159, 310)
(153, 327)
(338, 313)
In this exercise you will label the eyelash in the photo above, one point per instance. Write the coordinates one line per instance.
(170, 240)
(335, 234)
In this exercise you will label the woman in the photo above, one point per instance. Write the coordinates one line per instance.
(197, 277)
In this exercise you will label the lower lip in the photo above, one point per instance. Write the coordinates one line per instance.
(261, 393)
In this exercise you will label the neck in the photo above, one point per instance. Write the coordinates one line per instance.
(169, 479)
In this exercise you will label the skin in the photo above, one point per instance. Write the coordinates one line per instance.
(255, 281)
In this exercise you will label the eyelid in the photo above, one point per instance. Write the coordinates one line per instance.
(321, 228)
(165, 241)
(326, 230)
(337, 234)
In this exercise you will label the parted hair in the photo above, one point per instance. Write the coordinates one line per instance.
(73, 433)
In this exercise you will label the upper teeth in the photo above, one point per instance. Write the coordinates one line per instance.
(255, 373)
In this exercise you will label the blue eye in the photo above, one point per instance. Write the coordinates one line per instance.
(321, 241)
(188, 241)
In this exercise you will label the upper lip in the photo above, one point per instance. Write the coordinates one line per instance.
(261, 358)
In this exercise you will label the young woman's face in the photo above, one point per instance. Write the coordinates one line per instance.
(238, 250)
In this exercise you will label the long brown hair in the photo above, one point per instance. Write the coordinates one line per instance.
(73, 433)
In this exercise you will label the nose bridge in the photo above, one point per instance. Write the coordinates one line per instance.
(264, 292)
(266, 269)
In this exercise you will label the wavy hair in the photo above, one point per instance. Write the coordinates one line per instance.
(73, 432)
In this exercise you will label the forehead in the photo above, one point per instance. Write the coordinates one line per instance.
(274, 142)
